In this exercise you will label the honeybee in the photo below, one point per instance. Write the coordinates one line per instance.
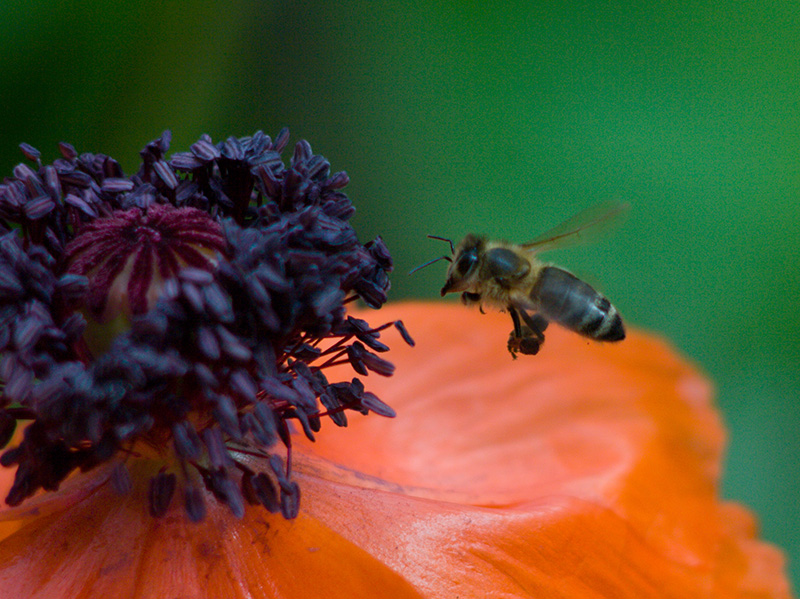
(510, 278)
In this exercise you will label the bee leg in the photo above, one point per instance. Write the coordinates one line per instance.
(515, 318)
(528, 343)
(514, 343)
(537, 324)
(516, 335)
(470, 299)
(524, 340)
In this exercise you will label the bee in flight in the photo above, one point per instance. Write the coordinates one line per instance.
(509, 277)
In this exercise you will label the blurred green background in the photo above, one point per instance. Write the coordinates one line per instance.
(452, 116)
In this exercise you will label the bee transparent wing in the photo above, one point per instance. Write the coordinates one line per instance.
(584, 227)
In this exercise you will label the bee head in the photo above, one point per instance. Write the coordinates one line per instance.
(464, 266)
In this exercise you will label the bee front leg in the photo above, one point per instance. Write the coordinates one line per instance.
(470, 299)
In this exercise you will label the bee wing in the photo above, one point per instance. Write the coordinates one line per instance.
(585, 226)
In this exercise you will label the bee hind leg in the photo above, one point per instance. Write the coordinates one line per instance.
(527, 344)
(525, 339)
(536, 323)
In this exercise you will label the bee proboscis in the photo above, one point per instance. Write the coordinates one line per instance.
(509, 277)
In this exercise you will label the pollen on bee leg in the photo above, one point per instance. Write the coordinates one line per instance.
(527, 342)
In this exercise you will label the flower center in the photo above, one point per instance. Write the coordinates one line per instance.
(128, 255)
(184, 316)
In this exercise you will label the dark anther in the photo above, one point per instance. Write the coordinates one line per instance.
(162, 488)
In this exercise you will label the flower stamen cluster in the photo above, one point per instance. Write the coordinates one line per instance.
(192, 308)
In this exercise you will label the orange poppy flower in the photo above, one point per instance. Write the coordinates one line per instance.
(590, 470)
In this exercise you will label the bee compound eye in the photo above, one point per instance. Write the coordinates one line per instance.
(466, 263)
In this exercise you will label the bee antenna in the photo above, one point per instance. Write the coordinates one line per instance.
(452, 249)
(429, 262)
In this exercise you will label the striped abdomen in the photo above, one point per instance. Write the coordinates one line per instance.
(565, 299)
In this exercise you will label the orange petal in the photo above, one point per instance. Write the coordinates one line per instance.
(590, 470)
(109, 546)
